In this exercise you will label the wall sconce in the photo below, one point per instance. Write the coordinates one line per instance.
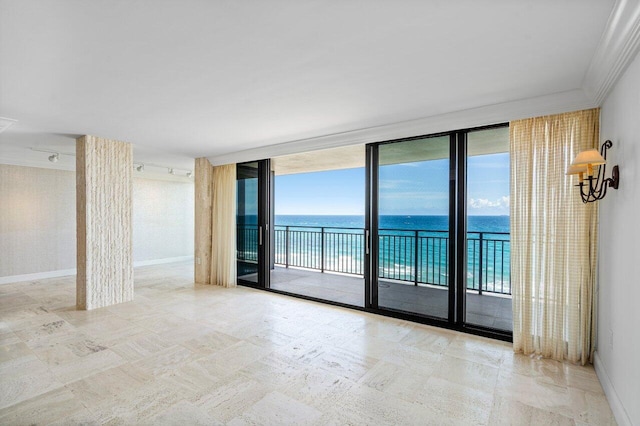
(54, 157)
(140, 167)
(594, 188)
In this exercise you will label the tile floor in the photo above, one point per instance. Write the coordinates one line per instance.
(188, 355)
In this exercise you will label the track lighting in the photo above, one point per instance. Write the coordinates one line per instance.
(138, 166)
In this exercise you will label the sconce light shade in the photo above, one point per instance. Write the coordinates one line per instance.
(590, 156)
(576, 170)
(594, 188)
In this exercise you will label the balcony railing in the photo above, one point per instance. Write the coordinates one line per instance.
(417, 256)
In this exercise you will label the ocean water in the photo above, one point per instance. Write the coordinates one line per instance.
(412, 248)
(432, 223)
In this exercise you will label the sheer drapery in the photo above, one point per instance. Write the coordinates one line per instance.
(223, 226)
(553, 238)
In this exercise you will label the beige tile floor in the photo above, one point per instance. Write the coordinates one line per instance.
(188, 355)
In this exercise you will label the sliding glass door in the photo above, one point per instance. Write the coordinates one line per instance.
(488, 278)
(411, 226)
(437, 228)
(253, 220)
(435, 245)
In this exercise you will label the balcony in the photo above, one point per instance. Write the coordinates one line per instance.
(413, 269)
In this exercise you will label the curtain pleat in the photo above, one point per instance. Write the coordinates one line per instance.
(223, 226)
(553, 238)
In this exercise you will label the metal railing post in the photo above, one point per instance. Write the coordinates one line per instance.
(322, 249)
(480, 264)
(415, 258)
(286, 247)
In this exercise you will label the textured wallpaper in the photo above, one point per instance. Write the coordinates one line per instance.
(38, 220)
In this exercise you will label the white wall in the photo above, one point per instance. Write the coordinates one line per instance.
(618, 347)
(38, 222)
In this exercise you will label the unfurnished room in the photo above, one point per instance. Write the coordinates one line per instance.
(319, 212)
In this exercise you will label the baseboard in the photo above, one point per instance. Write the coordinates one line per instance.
(67, 272)
(37, 276)
(161, 261)
(622, 418)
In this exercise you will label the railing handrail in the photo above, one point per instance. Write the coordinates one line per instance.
(488, 232)
(409, 255)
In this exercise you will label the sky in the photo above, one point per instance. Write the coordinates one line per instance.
(419, 188)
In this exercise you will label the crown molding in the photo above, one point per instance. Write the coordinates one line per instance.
(475, 117)
(618, 47)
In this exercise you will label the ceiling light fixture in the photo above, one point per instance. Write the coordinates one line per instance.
(55, 154)
(138, 166)
(594, 188)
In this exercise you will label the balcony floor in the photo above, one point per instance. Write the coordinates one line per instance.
(486, 310)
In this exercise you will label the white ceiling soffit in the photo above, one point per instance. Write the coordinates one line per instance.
(481, 142)
(236, 81)
(475, 117)
(345, 157)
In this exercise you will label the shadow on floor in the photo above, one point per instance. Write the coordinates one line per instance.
(487, 310)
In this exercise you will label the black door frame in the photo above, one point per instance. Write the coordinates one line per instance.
(372, 227)
(265, 207)
(457, 236)
(457, 250)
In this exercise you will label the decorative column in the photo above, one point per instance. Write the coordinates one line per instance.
(203, 212)
(104, 229)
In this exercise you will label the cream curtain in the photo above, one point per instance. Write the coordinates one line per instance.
(223, 226)
(553, 238)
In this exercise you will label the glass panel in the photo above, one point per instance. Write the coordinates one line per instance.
(413, 238)
(247, 222)
(488, 292)
(319, 225)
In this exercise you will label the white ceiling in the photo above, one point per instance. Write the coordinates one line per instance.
(185, 79)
